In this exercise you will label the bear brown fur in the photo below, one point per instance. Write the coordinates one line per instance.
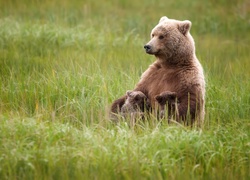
(135, 102)
(134, 105)
(168, 100)
(175, 69)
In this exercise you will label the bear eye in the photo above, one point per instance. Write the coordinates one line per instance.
(153, 35)
(161, 37)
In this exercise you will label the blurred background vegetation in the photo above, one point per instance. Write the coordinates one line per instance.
(51, 52)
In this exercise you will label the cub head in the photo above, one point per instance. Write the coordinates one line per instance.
(166, 97)
(135, 97)
(135, 101)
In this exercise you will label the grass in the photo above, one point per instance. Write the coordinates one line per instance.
(62, 63)
(119, 152)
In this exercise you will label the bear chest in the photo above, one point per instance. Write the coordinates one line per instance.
(158, 80)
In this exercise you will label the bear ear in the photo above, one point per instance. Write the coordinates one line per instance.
(184, 26)
(164, 18)
(159, 99)
(128, 93)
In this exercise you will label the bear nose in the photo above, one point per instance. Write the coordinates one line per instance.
(147, 48)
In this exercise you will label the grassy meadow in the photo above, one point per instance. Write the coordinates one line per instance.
(62, 63)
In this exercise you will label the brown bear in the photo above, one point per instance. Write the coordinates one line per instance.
(135, 102)
(176, 69)
(168, 100)
(135, 105)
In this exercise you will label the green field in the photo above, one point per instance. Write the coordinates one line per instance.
(62, 63)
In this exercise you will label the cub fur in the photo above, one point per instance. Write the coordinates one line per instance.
(168, 103)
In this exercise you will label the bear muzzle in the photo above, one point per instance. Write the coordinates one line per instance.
(148, 48)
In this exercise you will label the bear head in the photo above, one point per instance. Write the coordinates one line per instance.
(171, 40)
(166, 97)
(135, 100)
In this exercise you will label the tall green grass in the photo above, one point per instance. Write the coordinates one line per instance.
(32, 149)
(62, 63)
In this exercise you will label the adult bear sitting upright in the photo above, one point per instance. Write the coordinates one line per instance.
(176, 69)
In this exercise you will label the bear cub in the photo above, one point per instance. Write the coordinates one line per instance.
(135, 104)
(168, 103)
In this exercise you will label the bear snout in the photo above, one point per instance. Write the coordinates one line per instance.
(147, 48)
